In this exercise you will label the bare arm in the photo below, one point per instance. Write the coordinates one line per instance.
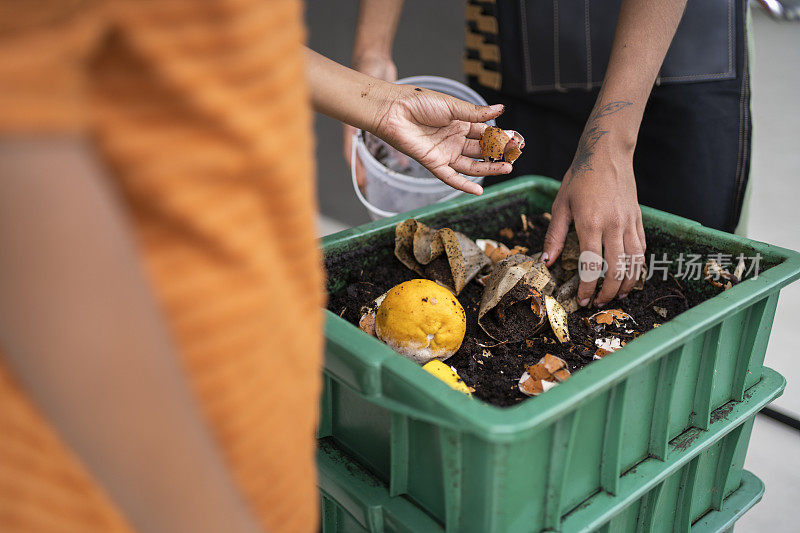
(439, 131)
(598, 192)
(375, 31)
(372, 53)
(81, 331)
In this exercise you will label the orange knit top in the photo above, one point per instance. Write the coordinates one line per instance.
(201, 111)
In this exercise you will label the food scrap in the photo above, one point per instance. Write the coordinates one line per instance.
(501, 145)
(421, 320)
(444, 255)
(720, 277)
(497, 251)
(548, 372)
(447, 374)
(607, 345)
(607, 317)
(512, 307)
(367, 321)
(558, 318)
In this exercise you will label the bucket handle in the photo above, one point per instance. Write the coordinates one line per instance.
(364, 201)
(359, 195)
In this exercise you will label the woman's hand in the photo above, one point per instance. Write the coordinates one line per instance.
(441, 132)
(599, 190)
(598, 193)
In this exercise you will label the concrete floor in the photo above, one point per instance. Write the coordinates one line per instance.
(775, 171)
(774, 453)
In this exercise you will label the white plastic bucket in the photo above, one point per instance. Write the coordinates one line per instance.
(387, 192)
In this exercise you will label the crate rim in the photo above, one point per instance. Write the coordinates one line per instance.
(438, 403)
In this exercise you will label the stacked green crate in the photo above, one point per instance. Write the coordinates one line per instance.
(606, 435)
(354, 501)
(702, 487)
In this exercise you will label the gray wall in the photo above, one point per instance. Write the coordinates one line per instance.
(429, 40)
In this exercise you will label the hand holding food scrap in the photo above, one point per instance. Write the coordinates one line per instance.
(507, 325)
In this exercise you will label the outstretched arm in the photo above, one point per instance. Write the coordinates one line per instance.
(598, 192)
(439, 131)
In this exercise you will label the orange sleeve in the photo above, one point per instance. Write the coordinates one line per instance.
(44, 50)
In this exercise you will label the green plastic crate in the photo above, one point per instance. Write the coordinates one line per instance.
(701, 488)
(470, 464)
(375, 512)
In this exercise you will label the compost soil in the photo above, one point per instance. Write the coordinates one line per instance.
(493, 368)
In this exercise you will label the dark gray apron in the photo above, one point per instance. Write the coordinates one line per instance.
(556, 45)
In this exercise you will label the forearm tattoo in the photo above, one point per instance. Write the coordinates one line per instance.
(591, 135)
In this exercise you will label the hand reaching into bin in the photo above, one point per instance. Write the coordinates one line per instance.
(439, 131)
(598, 191)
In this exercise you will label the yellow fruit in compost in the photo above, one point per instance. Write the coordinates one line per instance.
(446, 374)
(421, 320)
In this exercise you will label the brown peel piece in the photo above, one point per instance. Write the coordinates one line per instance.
(558, 319)
(639, 285)
(529, 385)
(367, 324)
(568, 289)
(562, 375)
(421, 248)
(719, 276)
(519, 314)
(570, 306)
(498, 254)
(600, 353)
(487, 245)
(544, 375)
(495, 251)
(571, 252)
(567, 292)
(540, 278)
(515, 279)
(513, 148)
(609, 316)
(367, 321)
(501, 145)
(552, 363)
(538, 372)
(493, 143)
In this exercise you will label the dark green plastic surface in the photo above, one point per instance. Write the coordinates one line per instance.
(701, 488)
(476, 467)
(390, 515)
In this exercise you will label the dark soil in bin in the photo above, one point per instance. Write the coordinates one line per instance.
(495, 378)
